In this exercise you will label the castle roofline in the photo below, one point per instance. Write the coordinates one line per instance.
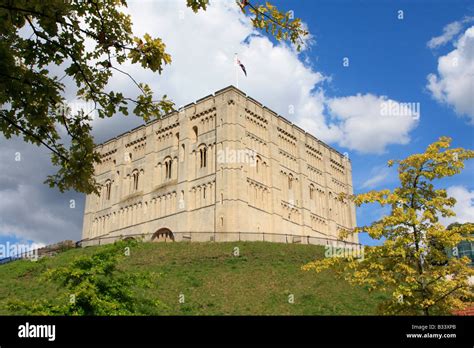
(219, 92)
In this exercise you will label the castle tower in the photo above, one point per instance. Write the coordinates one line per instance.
(224, 168)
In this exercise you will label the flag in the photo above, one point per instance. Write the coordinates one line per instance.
(242, 66)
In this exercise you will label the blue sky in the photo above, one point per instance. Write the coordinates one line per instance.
(389, 59)
(388, 56)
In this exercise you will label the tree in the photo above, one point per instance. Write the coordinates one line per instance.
(412, 263)
(465, 248)
(89, 40)
(94, 285)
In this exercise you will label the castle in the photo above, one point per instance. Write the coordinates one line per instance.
(225, 168)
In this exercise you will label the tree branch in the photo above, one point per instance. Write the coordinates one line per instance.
(27, 132)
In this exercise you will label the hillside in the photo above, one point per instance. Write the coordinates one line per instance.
(214, 282)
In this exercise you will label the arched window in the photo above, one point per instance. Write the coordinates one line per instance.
(181, 153)
(257, 163)
(181, 200)
(168, 168)
(135, 176)
(194, 134)
(108, 188)
(203, 157)
(128, 180)
(311, 191)
(176, 139)
(290, 181)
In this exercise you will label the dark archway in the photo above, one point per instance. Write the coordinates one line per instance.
(163, 235)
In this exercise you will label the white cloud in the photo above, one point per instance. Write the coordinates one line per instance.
(29, 209)
(378, 176)
(202, 47)
(464, 207)
(453, 83)
(369, 123)
(449, 32)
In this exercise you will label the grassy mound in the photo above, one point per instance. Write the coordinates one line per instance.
(260, 281)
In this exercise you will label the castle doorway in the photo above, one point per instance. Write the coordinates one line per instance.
(163, 235)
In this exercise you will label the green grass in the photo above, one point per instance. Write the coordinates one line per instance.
(212, 280)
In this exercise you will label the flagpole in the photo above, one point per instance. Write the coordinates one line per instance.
(236, 71)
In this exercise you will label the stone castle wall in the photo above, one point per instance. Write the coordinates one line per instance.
(224, 168)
